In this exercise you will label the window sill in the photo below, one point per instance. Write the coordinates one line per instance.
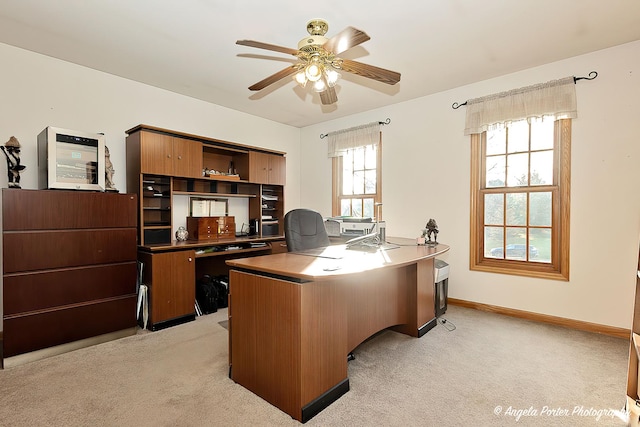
(518, 268)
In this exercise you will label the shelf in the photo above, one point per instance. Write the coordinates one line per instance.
(205, 194)
(156, 226)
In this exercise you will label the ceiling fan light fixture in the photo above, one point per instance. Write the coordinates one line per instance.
(313, 71)
(300, 78)
(331, 76)
(318, 61)
(320, 86)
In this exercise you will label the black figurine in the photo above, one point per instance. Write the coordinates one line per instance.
(11, 150)
(431, 230)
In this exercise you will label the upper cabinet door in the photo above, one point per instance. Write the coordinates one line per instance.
(156, 153)
(266, 168)
(277, 170)
(187, 158)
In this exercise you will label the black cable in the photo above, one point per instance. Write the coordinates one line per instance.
(447, 324)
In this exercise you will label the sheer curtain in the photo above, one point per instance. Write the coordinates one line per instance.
(555, 98)
(348, 139)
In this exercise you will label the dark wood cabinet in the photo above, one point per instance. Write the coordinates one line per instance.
(69, 267)
(171, 279)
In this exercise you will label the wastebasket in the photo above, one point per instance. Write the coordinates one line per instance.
(441, 280)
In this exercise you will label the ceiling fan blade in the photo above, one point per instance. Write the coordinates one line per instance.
(345, 39)
(371, 72)
(274, 78)
(328, 96)
(267, 46)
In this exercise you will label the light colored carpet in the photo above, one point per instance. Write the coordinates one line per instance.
(491, 370)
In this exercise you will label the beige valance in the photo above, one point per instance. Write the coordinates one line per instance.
(349, 139)
(555, 98)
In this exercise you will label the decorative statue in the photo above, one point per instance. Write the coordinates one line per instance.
(11, 149)
(182, 234)
(108, 171)
(431, 230)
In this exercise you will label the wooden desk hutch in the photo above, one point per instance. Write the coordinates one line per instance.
(162, 164)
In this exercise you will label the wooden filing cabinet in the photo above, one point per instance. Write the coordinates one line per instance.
(69, 267)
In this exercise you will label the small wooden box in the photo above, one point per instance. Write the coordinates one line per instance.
(211, 227)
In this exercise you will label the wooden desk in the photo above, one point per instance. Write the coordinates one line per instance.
(293, 318)
(170, 272)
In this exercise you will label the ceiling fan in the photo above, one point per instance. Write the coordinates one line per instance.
(318, 62)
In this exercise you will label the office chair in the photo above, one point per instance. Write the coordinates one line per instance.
(304, 229)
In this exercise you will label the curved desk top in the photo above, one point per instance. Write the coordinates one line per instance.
(337, 260)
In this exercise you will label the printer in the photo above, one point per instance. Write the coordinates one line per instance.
(351, 226)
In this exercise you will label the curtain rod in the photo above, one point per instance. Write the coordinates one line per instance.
(455, 105)
(386, 122)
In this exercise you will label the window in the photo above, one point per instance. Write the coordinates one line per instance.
(520, 178)
(356, 182)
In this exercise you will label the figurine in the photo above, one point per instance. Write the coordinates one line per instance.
(11, 149)
(108, 171)
(431, 230)
(182, 234)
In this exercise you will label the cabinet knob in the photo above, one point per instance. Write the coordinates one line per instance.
(179, 157)
(190, 259)
(168, 156)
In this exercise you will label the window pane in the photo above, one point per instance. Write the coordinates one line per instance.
(358, 182)
(516, 243)
(347, 183)
(493, 242)
(345, 207)
(358, 158)
(495, 171)
(496, 141)
(347, 163)
(370, 182)
(542, 133)
(368, 208)
(494, 209)
(542, 168)
(540, 209)
(540, 245)
(516, 209)
(370, 157)
(356, 207)
(517, 169)
(518, 137)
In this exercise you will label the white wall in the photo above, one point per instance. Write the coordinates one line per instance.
(39, 91)
(426, 161)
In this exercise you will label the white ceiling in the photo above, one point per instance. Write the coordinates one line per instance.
(188, 46)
